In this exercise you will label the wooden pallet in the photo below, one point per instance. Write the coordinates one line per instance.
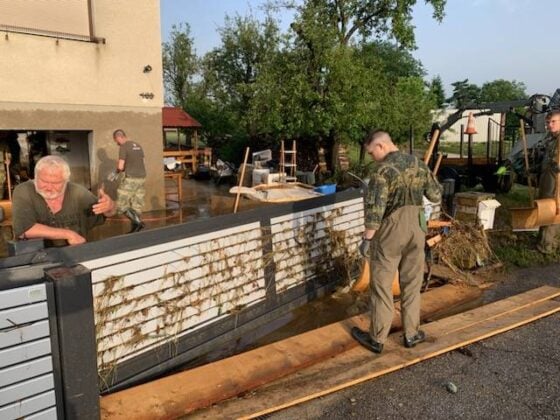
(359, 365)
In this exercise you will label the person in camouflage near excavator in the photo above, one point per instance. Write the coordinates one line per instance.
(549, 169)
(394, 238)
(131, 191)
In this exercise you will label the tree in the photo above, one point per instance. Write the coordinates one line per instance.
(368, 19)
(341, 90)
(180, 65)
(231, 70)
(464, 93)
(502, 90)
(437, 91)
(343, 68)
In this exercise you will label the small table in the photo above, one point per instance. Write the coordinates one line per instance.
(177, 176)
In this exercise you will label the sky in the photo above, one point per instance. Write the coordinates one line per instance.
(479, 40)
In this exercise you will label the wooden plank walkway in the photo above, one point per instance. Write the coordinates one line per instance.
(359, 365)
(188, 391)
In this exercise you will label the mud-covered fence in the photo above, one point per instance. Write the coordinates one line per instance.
(165, 297)
(162, 298)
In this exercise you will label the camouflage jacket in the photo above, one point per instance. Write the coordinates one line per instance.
(399, 180)
(550, 159)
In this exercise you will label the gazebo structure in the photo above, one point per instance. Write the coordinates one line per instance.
(173, 120)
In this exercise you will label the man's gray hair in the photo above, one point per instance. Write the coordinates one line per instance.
(53, 162)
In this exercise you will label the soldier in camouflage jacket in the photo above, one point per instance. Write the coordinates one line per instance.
(394, 237)
(548, 235)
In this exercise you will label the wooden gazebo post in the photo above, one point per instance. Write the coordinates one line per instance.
(195, 156)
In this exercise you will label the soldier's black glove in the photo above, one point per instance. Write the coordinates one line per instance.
(364, 247)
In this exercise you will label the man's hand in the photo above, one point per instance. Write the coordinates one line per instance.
(105, 205)
(364, 247)
(74, 238)
(112, 176)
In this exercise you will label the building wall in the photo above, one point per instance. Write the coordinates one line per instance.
(50, 84)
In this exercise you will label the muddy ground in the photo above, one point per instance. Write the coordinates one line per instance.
(514, 375)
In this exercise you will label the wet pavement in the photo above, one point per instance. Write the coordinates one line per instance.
(513, 375)
(201, 200)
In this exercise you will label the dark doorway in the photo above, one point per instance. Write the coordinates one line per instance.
(26, 147)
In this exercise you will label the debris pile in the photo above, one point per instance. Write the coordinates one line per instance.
(464, 247)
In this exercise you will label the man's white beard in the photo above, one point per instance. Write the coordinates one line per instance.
(50, 195)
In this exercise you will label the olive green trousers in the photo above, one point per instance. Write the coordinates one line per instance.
(398, 244)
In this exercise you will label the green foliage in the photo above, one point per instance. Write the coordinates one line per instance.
(230, 72)
(464, 93)
(343, 68)
(502, 90)
(366, 19)
(180, 65)
(437, 91)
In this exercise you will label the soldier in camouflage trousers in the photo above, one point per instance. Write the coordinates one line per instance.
(131, 191)
(548, 235)
(394, 238)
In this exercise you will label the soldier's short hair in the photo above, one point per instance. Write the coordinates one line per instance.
(552, 113)
(119, 133)
(375, 135)
(52, 161)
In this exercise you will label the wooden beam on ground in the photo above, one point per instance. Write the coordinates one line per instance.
(185, 392)
(359, 365)
(434, 224)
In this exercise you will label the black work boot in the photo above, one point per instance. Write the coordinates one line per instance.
(137, 224)
(365, 340)
(417, 338)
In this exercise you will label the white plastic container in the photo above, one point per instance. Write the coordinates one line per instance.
(486, 212)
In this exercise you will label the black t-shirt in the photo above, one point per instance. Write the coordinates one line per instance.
(133, 156)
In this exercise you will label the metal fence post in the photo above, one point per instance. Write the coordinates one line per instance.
(77, 346)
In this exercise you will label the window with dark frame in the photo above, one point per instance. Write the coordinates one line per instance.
(61, 19)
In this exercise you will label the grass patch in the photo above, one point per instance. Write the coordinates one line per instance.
(516, 249)
(479, 148)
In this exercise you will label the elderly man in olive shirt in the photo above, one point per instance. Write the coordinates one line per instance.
(52, 208)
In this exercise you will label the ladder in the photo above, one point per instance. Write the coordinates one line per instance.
(288, 162)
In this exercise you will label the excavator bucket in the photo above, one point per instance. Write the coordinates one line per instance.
(542, 213)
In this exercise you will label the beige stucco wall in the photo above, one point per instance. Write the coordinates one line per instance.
(37, 69)
(71, 85)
